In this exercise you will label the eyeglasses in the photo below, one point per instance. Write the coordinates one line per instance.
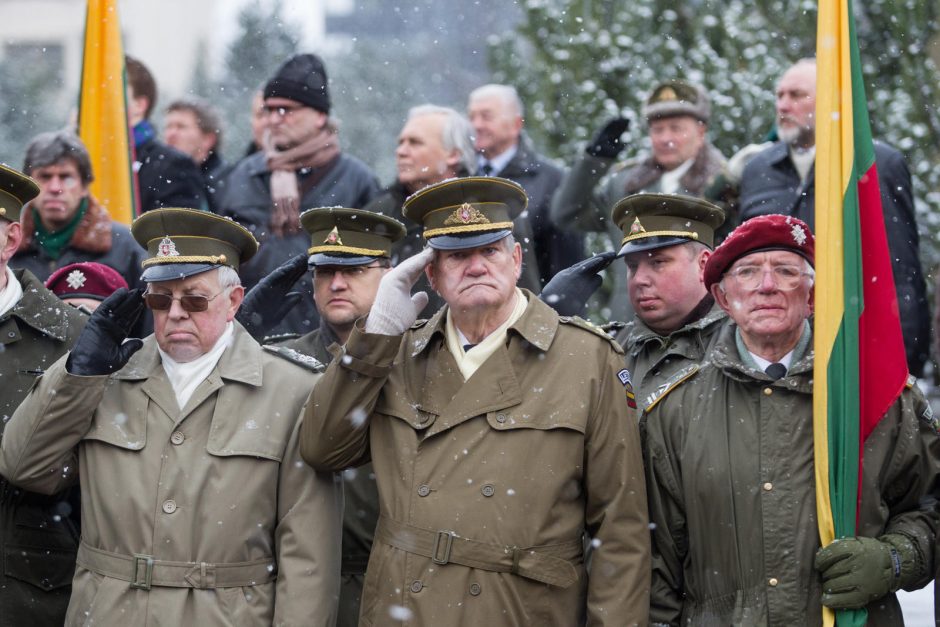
(326, 273)
(189, 302)
(785, 277)
(280, 111)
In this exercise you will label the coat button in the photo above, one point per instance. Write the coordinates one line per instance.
(11, 334)
(424, 490)
(169, 506)
(768, 391)
(772, 582)
(500, 418)
(177, 437)
(416, 586)
(768, 487)
(488, 490)
(475, 589)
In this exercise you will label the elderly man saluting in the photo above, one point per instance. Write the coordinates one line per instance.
(500, 436)
(729, 448)
(196, 507)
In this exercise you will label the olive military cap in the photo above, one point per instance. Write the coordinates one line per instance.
(184, 242)
(466, 212)
(651, 221)
(16, 189)
(349, 237)
(673, 98)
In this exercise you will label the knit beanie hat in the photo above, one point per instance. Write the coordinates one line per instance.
(303, 79)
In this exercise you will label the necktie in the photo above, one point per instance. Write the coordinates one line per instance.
(776, 371)
(467, 347)
(487, 169)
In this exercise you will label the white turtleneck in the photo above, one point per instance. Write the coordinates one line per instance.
(11, 293)
(186, 377)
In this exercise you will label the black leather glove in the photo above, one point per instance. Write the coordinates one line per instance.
(606, 143)
(266, 304)
(100, 348)
(569, 290)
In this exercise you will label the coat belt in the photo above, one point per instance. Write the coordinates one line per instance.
(551, 564)
(143, 571)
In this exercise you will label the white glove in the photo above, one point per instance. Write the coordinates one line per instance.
(395, 309)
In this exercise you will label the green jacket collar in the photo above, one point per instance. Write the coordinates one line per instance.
(40, 308)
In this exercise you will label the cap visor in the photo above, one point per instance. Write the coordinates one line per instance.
(651, 243)
(454, 242)
(174, 271)
(322, 259)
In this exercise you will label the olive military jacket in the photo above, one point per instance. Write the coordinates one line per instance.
(239, 531)
(488, 486)
(361, 513)
(732, 493)
(653, 359)
(39, 533)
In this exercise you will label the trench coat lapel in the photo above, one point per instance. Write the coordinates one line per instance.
(145, 366)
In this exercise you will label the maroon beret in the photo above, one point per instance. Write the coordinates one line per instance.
(763, 233)
(85, 280)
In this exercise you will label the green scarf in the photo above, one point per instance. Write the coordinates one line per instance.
(52, 243)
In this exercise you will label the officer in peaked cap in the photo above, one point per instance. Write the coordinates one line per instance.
(674, 98)
(454, 400)
(350, 251)
(651, 221)
(35, 330)
(210, 419)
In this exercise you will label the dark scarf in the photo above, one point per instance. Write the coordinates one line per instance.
(699, 311)
(53, 242)
(143, 133)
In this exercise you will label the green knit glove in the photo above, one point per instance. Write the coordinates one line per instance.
(856, 571)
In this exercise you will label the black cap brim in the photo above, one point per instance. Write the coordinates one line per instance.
(455, 242)
(175, 271)
(651, 243)
(322, 259)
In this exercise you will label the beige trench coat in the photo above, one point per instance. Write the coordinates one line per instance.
(219, 483)
(488, 487)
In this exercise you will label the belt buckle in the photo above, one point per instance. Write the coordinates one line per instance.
(443, 542)
(147, 562)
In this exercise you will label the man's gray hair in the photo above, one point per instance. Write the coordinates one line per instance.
(506, 93)
(457, 132)
(228, 277)
(50, 148)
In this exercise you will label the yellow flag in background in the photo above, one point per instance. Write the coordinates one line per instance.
(102, 114)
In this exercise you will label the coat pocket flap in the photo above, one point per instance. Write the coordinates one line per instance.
(47, 569)
(118, 429)
(404, 410)
(516, 418)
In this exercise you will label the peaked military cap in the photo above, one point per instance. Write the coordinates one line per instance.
(16, 189)
(184, 242)
(651, 221)
(466, 212)
(673, 98)
(349, 237)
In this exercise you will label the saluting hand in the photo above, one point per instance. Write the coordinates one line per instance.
(266, 304)
(101, 348)
(395, 309)
(568, 291)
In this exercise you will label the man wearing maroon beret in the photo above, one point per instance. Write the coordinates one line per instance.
(84, 285)
(729, 459)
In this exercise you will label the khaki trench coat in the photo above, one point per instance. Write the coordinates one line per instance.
(218, 488)
(732, 494)
(488, 486)
(653, 359)
(361, 495)
(38, 532)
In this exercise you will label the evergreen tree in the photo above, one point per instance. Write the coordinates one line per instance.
(577, 63)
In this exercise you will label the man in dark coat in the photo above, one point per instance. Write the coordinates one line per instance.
(503, 150)
(780, 180)
(165, 176)
(301, 168)
(682, 161)
(39, 533)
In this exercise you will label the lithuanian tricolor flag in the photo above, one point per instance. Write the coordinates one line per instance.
(102, 112)
(860, 366)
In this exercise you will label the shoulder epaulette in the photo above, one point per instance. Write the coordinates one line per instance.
(420, 322)
(279, 337)
(660, 393)
(613, 326)
(294, 356)
(581, 323)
